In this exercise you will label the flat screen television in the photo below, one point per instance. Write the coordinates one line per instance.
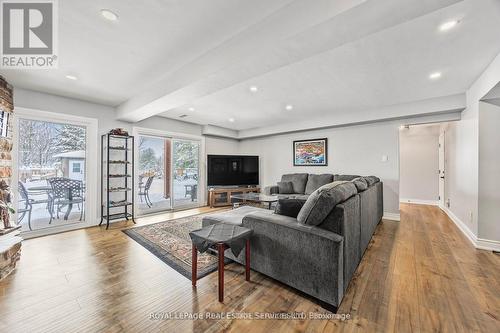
(232, 170)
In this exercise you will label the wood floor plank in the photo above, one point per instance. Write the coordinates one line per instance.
(417, 275)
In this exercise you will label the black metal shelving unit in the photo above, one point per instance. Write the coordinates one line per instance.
(117, 173)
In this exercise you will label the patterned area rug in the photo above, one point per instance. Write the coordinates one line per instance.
(170, 242)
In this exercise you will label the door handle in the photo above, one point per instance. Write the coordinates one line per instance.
(442, 177)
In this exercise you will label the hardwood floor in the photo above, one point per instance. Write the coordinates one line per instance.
(418, 275)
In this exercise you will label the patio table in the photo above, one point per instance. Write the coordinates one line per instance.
(48, 189)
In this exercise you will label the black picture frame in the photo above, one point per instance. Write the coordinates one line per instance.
(323, 141)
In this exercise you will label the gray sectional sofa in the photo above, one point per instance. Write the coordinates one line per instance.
(317, 235)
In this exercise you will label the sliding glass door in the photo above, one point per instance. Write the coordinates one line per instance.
(168, 173)
(185, 161)
(154, 179)
(51, 174)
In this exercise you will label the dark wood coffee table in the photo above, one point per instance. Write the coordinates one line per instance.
(220, 236)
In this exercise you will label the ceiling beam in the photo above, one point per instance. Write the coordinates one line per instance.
(296, 32)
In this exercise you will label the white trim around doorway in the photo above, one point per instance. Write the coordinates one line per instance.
(91, 165)
(202, 192)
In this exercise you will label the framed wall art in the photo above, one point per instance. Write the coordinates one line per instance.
(312, 152)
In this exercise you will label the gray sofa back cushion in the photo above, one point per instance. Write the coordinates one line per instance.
(316, 181)
(298, 180)
(321, 202)
(285, 188)
(371, 180)
(289, 207)
(338, 178)
(360, 183)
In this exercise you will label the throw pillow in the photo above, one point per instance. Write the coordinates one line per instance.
(289, 207)
(339, 178)
(285, 187)
(360, 184)
(322, 201)
(371, 180)
(298, 180)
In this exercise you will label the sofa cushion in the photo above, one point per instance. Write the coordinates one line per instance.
(316, 181)
(321, 202)
(371, 180)
(360, 183)
(289, 207)
(285, 188)
(233, 216)
(298, 180)
(338, 178)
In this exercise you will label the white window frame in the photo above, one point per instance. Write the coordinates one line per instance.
(202, 191)
(91, 165)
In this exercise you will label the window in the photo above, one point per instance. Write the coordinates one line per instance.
(76, 167)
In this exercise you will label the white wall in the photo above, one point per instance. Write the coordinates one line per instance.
(106, 120)
(351, 150)
(462, 157)
(489, 171)
(419, 163)
(221, 146)
(106, 117)
(462, 189)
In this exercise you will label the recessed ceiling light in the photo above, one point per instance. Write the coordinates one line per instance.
(109, 15)
(231, 120)
(448, 25)
(71, 77)
(191, 109)
(253, 88)
(435, 75)
(288, 107)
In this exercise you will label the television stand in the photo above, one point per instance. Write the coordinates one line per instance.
(221, 196)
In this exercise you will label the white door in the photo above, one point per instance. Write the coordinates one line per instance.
(76, 169)
(441, 169)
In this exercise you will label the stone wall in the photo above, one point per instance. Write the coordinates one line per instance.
(10, 242)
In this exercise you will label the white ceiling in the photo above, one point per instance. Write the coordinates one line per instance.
(115, 61)
(324, 57)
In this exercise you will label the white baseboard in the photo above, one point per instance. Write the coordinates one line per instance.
(487, 244)
(462, 226)
(391, 216)
(479, 243)
(420, 202)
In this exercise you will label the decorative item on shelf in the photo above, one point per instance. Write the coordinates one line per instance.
(119, 131)
(5, 120)
(117, 185)
(310, 152)
(6, 205)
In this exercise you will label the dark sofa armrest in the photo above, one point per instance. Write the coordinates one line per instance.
(270, 190)
(307, 258)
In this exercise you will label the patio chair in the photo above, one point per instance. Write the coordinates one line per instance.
(28, 204)
(67, 192)
(144, 192)
(191, 190)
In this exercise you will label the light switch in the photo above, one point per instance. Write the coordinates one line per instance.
(385, 158)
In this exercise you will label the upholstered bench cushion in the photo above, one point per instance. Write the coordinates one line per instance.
(234, 216)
